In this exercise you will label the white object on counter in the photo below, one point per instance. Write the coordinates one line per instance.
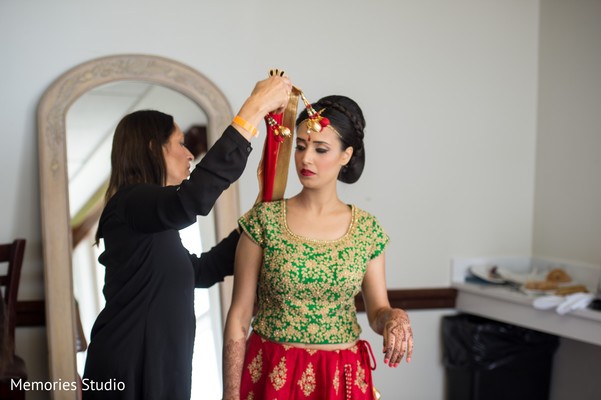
(547, 302)
(564, 304)
(576, 301)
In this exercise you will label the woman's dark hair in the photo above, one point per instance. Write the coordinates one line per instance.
(347, 118)
(137, 153)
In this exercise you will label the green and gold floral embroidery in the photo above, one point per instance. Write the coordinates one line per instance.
(307, 287)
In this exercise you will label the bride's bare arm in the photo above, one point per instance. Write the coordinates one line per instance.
(246, 272)
(392, 323)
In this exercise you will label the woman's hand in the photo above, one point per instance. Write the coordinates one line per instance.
(269, 95)
(273, 93)
(398, 337)
(392, 323)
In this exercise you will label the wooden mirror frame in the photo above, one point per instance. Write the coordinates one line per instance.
(54, 196)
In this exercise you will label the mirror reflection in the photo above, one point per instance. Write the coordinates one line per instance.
(90, 124)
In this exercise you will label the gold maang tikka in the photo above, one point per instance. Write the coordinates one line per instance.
(315, 122)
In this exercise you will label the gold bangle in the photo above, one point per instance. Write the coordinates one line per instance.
(238, 120)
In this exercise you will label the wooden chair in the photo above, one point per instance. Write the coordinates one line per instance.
(12, 367)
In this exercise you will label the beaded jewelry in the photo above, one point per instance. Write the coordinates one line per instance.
(315, 122)
(280, 131)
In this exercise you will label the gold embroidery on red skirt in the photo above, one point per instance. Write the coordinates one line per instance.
(307, 382)
(336, 381)
(360, 378)
(278, 375)
(255, 368)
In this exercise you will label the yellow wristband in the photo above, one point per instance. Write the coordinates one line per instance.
(238, 120)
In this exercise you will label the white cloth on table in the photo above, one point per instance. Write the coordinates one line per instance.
(564, 304)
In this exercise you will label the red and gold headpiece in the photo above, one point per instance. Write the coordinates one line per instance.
(315, 122)
(273, 168)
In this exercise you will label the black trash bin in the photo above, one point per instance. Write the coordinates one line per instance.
(491, 360)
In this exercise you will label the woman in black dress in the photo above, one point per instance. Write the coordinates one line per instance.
(142, 342)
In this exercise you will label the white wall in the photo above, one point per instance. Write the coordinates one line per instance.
(567, 208)
(567, 218)
(449, 91)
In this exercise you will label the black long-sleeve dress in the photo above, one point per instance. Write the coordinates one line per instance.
(143, 339)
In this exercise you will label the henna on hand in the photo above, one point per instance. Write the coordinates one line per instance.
(233, 360)
(398, 336)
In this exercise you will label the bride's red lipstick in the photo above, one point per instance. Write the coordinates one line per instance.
(306, 172)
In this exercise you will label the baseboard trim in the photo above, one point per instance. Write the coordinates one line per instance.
(33, 312)
(417, 299)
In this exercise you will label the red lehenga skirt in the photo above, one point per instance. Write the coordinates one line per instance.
(273, 371)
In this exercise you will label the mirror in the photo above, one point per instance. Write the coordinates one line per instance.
(131, 71)
(90, 125)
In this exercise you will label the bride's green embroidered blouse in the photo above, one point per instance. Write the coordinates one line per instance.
(307, 287)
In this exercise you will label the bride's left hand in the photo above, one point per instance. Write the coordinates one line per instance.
(398, 338)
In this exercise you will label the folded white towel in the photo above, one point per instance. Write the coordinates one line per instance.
(547, 302)
(576, 301)
(564, 304)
